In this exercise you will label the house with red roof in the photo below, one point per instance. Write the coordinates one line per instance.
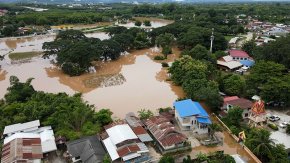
(235, 101)
(239, 55)
(138, 127)
(122, 144)
(166, 135)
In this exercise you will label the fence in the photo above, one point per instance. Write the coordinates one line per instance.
(254, 157)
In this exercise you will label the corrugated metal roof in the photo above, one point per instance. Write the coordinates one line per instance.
(248, 63)
(145, 137)
(88, 148)
(21, 127)
(47, 141)
(19, 149)
(111, 148)
(121, 133)
(230, 65)
(203, 120)
(131, 156)
(166, 136)
(241, 102)
(186, 108)
(227, 58)
(238, 53)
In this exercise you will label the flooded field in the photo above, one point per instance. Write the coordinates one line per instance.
(155, 22)
(34, 43)
(133, 82)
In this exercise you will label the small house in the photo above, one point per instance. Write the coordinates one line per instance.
(30, 140)
(138, 127)
(234, 101)
(123, 145)
(190, 115)
(228, 64)
(87, 150)
(239, 55)
(166, 135)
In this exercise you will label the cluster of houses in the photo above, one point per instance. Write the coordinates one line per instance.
(235, 60)
(124, 140)
(27, 142)
(266, 31)
(3, 12)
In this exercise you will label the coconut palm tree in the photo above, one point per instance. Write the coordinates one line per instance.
(261, 143)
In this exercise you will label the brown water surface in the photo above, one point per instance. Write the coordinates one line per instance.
(129, 84)
(155, 22)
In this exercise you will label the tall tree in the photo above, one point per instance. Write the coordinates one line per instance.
(234, 85)
(249, 47)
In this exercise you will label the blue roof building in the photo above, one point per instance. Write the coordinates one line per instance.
(247, 63)
(191, 116)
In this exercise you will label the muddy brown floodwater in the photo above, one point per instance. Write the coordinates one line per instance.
(155, 22)
(133, 82)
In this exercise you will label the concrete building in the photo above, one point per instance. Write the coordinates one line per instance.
(191, 115)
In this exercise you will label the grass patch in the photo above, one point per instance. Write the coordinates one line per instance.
(23, 55)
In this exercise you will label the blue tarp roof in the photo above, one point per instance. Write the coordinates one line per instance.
(187, 108)
(203, 120)
(248, 63)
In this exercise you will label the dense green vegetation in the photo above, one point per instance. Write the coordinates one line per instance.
(68, 115)
(194, 77)
(277, 51)
(270, 80)
(75, 52)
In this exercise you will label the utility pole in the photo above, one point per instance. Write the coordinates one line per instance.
(211, 40)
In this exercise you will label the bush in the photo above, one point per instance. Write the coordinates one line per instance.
(273, 126)
(159, 57)
(147, 23)
(164, 64)
(138, 23)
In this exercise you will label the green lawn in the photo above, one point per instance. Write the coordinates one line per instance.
(23, 55)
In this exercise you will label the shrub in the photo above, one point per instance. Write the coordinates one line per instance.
(159, 57)
(234, 130)
(138, 23)
(147, 23)
(164, 64)
(273, 126)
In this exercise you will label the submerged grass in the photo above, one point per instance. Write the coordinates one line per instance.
(23, 55)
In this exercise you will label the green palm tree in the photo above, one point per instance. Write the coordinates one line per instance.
(261, 143)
